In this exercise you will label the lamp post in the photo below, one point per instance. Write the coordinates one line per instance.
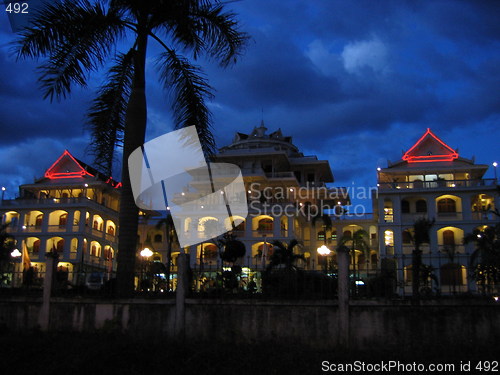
(145, 254)
(15, 254)
(324, 252)
(3, 192)
(495, 164)
(264, 253)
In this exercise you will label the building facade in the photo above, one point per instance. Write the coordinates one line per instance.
(432, 181)
(73, 210)
(289, 197)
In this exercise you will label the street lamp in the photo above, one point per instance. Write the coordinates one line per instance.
(3, 192)
(15, 254)
(324, 252)
(495, 164)
(145, 254)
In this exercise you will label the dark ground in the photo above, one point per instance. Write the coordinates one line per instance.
(113, 353)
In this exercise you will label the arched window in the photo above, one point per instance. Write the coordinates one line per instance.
(158, 238)
(240, 227)
(265, 249)
(62, 220)
(210, 252)
(406, 236)
(38, 220)
(60, 246)
(446, 205)
(448, 238)
(405, 206)
(265, 224)
(347, 234)
(36, 246)
(421, 206)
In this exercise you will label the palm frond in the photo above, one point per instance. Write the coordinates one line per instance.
(219, 32)
(201, 26)
(176, 19)
(107, 112)
(76, 37)
(190, 90)
(325, 218)
(421, 229)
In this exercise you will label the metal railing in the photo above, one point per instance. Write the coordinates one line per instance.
(441, 276)
(458, 184)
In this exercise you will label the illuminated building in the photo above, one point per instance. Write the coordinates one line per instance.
(432, 181)
(72, 210)
(287, 193)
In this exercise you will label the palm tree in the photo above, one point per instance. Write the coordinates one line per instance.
(326, 220)
(171, 237)
(283, 254)
(7, 244)
(485, 260)
(78, 37)
(421, 229)
(358, 241)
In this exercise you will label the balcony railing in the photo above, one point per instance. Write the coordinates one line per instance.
(287, 174)
(451, 250)
(49, 202)
(449, 216)
(262, 232)
(452, 184)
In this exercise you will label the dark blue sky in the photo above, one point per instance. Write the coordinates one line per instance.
(355, 82)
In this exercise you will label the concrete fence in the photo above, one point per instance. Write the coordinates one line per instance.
(311, 323)
(325, 324)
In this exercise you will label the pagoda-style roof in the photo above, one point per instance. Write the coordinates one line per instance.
(68, 170)
(429, 148)
(430, 155)
(66, 166)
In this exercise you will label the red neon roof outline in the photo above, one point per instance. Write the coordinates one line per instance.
(429, 158)
(114, 183)
(56, 175)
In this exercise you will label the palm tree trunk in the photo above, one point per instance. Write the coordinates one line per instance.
(134, 135)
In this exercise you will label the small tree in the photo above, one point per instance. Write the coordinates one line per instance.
(485, 260)
(421, 229)
(283, 254)
(232, 249)
(7, 244)
(358, 241)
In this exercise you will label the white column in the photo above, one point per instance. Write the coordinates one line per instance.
(396, 208)
(69, 221)
(45, 222)
(248, 227)
(466, 207)
(21, 221)
(431, 208)
(276, 226)
(291, 228)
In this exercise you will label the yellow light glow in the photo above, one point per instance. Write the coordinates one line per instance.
(146, 253)
(323, 250)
